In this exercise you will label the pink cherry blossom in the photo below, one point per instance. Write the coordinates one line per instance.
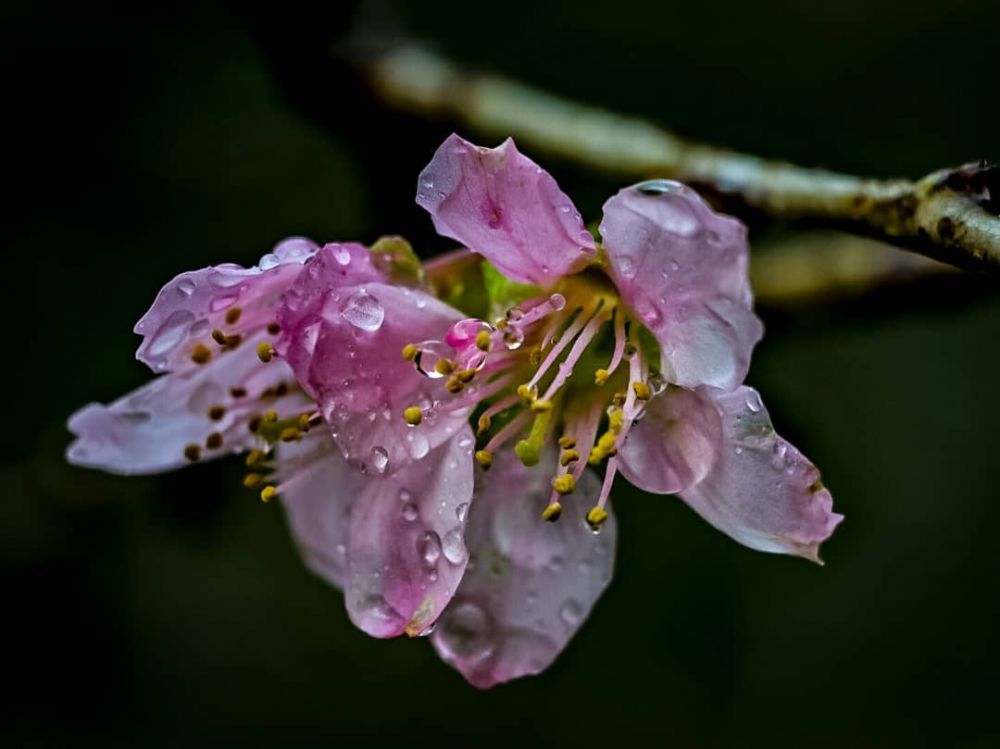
(433, 465)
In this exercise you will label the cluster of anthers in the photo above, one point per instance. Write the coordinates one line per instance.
(519, 372)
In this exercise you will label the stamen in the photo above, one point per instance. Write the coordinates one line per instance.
(483, 340)
(511, 428)
(527, 392)
(413, 415)
(201, 354)
(501, 405)
(254, 422)
(596, 518)
(454, 385)
(601, 376)
(215, 413)
(255, 458)
(264, 351)
(566, 368)
(192, 452)
(616, 356)
(233, 315)
(564, 483)
(541, 405)
(566, 442)
(238, 392)
(466, 375)
(273, 328)
(253, 480)
(305, 422)
(568, 457)
(484, 458)
(267, 493)
(289, 434)
(577, 325)
(410, 351)
(213, 441)
(642, 391)
(219, 337)
(552, 512)
(444, 366)
(232, 341)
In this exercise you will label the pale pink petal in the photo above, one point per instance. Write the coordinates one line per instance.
(682, 268)
(530, 584)
(501, 204)
(320, 494)
(406, 551)
(761, 490)
(345, 348)
(674, 444)
(193, 304)
(147, 430)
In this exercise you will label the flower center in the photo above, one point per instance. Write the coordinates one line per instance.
(570, 367)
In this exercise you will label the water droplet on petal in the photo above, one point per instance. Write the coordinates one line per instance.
(419, 446)
(513, 337)
(626, 267)
(363, 310)
(405, 495)
(379, 458)
(429, 548)
(410, 512)
(342, 255)
(453, 546)
(571, 612)
(270, 260)
(753, 403)
(462, 511)
(466, 633)
(186, 287)
(171, 333)
(558, 301)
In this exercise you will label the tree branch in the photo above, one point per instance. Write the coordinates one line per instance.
(949, 215)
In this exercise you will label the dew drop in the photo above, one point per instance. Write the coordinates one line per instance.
(571, 612)
(462, 512)
(405, 495)
(342, 255)
(465, 632)
(453, 546)
(268, 261)
(626, 267)
(429, 548)
(419, 446)
(513, 337)
(380, 458)
(753, 403)
(558, 301)
(362, 310)
(171, 333)
(185, 287)
(410, 512)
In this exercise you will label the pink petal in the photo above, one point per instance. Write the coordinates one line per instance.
(682, 268)
(504, 206)
(530, 584)
(406, 553)
(320, 494)
(147, 430)
(675, 443)
(345, 345)
(761, 490)
(190, 306)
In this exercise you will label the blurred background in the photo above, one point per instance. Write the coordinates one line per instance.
(173, 610)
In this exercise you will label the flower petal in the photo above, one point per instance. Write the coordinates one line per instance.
(406, 553)
(321, 491)
(761, 490)
(345, 347)
(147, 430)
(190, 306)
(682, 268)
(530, 584)
(504, 206)
(675, 443)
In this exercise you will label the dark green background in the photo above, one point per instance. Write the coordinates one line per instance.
(173, 611)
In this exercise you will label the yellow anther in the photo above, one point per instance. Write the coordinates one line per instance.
(484, 425)
(232, 341)
(267, 493)
(238, 392)
(201, 354)
(454, 385)
(568, 457)
(566, 442)
(501, 324)
(535, 356)
(233, 315)
(192, 453)
(253, 480)
(596, 456)
(219, 337)
(253, 423)
(483, 340)
(264, 351)
(444, 366)
(642, 391)
(466, 375)
(304, 424)
(618, 399)
(289, 434)
(552, 512)
(527, 392)
(484, 458)
(270, 415)
(541, 405)
(255, 458)
(213, 441)
(413, 415)
(215, 413)
(596, 518)
(564, 483)
(616, 420)
(273, 328)
(601, 376)
(410, 352)
(606, 442)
